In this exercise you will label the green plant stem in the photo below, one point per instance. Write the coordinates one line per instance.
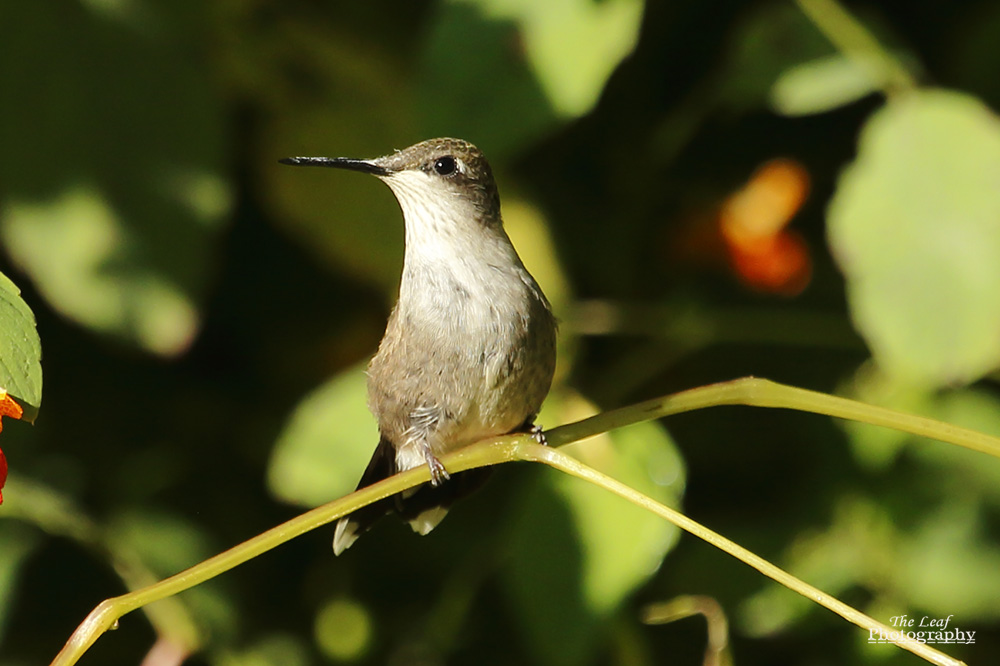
(755, 392)
(569, 465)
(56, 514)
(717, 650)
(853, 40)
(746, 391)
(108, 612)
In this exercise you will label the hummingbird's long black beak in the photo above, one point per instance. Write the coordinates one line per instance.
(351, 164)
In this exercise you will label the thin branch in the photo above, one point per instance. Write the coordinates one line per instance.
(570, 465)
(746, 391)
(755, 392)
(109, 611)
(717, 651)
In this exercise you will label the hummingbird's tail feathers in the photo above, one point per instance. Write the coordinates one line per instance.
(428, 519)
(350, 527)
(423, 507)
(345, 535)
(427, 506)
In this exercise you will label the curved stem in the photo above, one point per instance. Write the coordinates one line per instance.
(573, 467)
(108, 612)
(755, 392)
(746, 391)
(717, 651)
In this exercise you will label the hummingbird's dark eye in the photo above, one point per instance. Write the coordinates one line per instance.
(445, 166)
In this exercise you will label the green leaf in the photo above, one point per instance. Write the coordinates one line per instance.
(859, 546)
(165, 543)
(545, 554)
(780, 58)
(535, 64)
(113, 194)
(956, 469)
(954, 544)
(624, 544)
(20, 349)
(821, 85)
(573, 45)
(587, 548)
(878, 448)
(940, 560)
(154, 542)
(915, 227)
(494, 98)
(326, 444)
(961, 471)
(770, 40)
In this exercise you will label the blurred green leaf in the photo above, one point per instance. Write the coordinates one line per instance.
(589, 549)
(781, 59)
(535, 64)
(545, 555)
(959, 471)
(623, 544)
(964, 473)
(946, 563)
(529, 231)
(915, 226)
(114, 190)
(148, 542)
(954, 544)
(493, 99)
(326, 444)
(772, 39)
(821, 85)
(878, 448)
(164, 542)
(573, 45)
(866, 547)
(133, 540)
(859, 547)
(49, 509)
(20, 348)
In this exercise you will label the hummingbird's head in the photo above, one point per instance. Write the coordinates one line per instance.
(439, 178)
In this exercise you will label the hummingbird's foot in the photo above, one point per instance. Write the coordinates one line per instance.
(438, 473)
(537, 434)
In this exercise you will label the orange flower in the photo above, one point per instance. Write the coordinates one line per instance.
(3, 473)
(762, 252)
(8, 407)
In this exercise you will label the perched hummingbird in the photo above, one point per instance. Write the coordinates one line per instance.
(470, 348)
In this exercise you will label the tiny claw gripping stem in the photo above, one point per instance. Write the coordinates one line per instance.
(438, 473)
(537, 434)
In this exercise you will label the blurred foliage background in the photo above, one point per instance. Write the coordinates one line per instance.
(704, 189)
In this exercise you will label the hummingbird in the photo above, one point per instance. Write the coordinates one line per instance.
(469, 350)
